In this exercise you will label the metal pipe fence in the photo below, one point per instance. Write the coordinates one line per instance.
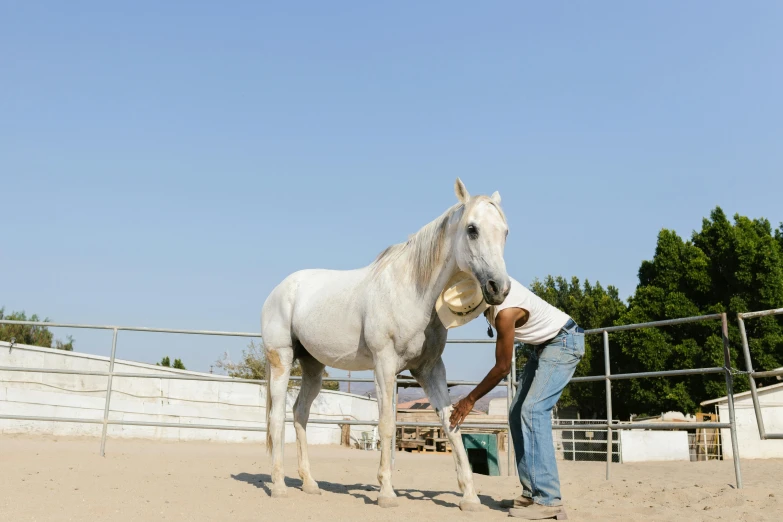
(753, 375)
(609, 425)
(608, 377)
(579, 442)
(401, 382)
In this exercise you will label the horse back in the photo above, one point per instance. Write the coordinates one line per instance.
(323, 310)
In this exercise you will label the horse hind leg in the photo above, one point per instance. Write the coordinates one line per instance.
(279, 362)
(312, 374)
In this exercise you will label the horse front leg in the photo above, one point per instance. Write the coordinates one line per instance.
(432, 379)
(385, 377)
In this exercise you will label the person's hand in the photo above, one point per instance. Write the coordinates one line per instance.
(460, 411)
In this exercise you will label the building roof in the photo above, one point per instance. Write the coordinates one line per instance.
(418, 404)
(762, 390)
(424, 404)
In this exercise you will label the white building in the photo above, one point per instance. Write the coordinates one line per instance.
(498, 406)
(750, 444)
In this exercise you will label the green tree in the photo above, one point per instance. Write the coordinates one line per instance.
(30, 335)
(591, 306)
(178, 364)
(68, 347)
(253, 366)
(725, 267)
(779, 236)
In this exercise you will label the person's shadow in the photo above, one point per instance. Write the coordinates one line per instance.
(360, 491)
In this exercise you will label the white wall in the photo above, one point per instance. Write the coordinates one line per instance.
(750, 444)
(498, 406)
(647, 446)
(149, 399)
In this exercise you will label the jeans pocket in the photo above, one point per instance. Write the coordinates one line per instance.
(578, 343)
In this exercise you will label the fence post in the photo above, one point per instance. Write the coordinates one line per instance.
(511, 392)
(730, 396)
(607, 373)
(108, 393)
(573, 442)
(749, 369)
(509, 455)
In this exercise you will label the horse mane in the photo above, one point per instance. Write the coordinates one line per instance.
(425, 247)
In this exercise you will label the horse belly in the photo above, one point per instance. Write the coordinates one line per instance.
(327, 321)
(336, 347)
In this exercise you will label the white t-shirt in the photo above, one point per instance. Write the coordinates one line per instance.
(545, 320)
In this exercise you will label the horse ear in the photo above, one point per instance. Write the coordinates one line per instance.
(462, 193)
(496, 197)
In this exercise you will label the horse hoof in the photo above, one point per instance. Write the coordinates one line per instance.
(388, 502)
(279, 493)
(311, 489)
(472, 506)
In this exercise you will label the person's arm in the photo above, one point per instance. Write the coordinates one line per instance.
(505, 323)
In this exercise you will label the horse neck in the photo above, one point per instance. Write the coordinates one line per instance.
(419, 269)
(428, 294)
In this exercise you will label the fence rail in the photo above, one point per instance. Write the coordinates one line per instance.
(401, 382)
(609, 425)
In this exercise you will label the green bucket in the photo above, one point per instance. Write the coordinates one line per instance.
(482, 449)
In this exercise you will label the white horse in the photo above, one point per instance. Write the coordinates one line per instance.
(381, 317)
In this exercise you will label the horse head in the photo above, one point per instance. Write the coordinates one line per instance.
(480, 243)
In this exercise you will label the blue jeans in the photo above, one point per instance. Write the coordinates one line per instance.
(548, 369)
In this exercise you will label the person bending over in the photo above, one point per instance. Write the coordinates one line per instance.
(557, 345)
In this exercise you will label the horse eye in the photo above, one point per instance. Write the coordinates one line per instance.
(472, 231)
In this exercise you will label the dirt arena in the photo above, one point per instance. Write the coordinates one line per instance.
(64, 479)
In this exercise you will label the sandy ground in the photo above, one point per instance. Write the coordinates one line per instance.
(65, 479)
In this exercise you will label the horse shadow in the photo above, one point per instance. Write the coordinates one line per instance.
(359, 491)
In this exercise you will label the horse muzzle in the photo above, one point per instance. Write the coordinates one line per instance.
(495, 291)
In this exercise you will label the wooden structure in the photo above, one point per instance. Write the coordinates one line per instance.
(434, 440)
(705, 443)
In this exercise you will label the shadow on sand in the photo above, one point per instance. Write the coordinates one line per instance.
(360, 491)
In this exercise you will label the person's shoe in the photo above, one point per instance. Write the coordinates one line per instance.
(538, 512)
(520, 501)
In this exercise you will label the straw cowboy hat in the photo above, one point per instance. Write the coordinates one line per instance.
(461, 301)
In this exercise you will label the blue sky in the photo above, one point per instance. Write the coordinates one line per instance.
(167, 165)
